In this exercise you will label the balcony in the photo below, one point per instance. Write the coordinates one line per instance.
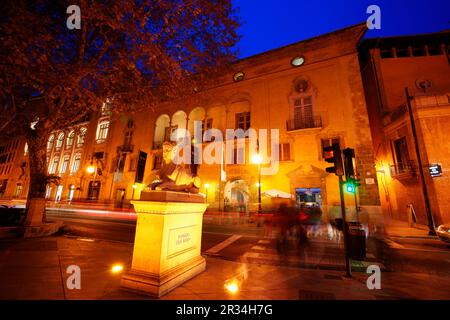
(403, 170)
(125, 148)
(304, 123)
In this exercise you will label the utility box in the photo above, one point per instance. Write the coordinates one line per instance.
(356, 241)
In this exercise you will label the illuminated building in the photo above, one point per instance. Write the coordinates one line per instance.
(420, 63)
(311, 91)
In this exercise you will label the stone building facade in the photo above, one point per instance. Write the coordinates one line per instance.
(311, 92)
(421, 64)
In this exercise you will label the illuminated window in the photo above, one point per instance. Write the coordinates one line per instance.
(102, 131)
(76, 163)
(60, 141)
(64, 165)
(81, 137)
(54, 165)
(243, 121)
(25, 150)
(18, 191)
(303, 114)
(48, 192)
(50, 142)
(106, 108)
(70, 139)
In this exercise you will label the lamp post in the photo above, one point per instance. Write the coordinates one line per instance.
(257, 160)
(206, 191)
(92, 169)
(429, 212)
(134, 188)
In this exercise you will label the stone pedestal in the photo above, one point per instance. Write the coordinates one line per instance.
(167, 242)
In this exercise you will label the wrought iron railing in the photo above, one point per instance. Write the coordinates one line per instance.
(303, 123)
(407, 168)
(126, 148)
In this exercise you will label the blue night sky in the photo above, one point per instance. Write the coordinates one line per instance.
(269, 24)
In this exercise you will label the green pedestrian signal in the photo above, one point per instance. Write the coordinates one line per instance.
(350, 187)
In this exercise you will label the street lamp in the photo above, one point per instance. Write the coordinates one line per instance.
(134, 188)
(257, 160)
(206, 190)
(92, 169)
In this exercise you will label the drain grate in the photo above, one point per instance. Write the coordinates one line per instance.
(315, 295)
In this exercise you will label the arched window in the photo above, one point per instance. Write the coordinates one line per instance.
(76, 163)
(50, 142)
(60, 141)
(64, 165)
(196, 115)
(81, 137)
(53, 165)
(102, 131)
(70, 139)
(162, 124)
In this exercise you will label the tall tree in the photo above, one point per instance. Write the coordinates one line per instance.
(134, 53)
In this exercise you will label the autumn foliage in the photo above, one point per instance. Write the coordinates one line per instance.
(137, 54)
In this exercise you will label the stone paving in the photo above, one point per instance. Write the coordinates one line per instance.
(36, 269)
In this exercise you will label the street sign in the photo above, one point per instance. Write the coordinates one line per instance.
(435, 170)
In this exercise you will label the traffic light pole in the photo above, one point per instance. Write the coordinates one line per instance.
(431, 226)
(348, 268)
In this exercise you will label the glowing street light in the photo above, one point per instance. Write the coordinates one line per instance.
(90, 169)
(258, 160)
(117, 268)
(232, 286)
(134, 188)
(206, 190)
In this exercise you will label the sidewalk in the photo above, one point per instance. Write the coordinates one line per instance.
(36, 269)
(397, 228)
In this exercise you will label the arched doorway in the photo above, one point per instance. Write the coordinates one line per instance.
(236, 196)
(197, 114)
(94, 190)
(162, 123)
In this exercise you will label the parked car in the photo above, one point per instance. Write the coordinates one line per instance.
(10, 216)
(443, 232)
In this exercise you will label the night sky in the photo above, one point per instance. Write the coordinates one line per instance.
(269, 24)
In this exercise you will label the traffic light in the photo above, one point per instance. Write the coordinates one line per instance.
(332, 154)
(350, 187)
(349, 155)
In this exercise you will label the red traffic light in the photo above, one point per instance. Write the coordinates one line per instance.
(332, 154)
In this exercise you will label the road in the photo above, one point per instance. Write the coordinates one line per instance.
(235, 241)
(228, 239)
(417, 255)
(122, 228)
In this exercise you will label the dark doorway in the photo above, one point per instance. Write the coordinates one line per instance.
(94, 190)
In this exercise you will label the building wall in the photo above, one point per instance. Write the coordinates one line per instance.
(385, 80)
(269, 89)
